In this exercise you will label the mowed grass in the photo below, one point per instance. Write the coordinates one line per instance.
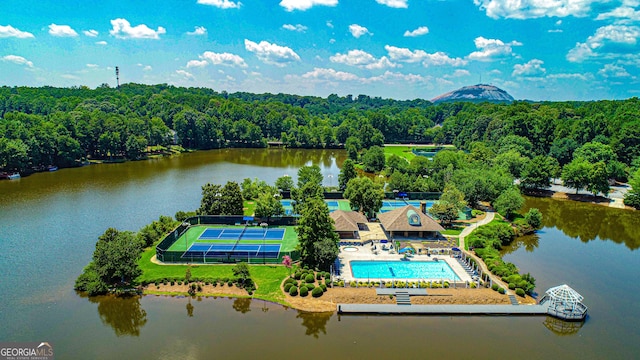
(267, 277)
(249, 207)
(402, 151)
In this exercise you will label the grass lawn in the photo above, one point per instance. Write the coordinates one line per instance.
(454, 230)
(344, 205)
(402, 151)
(249, 207)
(267, 277)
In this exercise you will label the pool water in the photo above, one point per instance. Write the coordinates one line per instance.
(402, 270)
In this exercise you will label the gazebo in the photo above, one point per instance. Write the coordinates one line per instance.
(565, 303)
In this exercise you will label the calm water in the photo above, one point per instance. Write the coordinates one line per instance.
(401, 270)
(49, 223)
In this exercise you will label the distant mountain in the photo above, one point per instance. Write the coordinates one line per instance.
(475, 93)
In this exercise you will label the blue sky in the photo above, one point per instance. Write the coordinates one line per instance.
(401, 49)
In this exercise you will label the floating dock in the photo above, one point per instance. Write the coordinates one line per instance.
(442, 309)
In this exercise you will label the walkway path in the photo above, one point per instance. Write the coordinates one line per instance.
(489, 216)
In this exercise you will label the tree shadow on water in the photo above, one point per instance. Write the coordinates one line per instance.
(123, 313)
(242, 305)
(314, 322)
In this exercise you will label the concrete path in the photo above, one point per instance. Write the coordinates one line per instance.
(489, 216)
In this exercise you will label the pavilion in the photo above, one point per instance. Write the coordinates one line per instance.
(409, 222)
(347, 223)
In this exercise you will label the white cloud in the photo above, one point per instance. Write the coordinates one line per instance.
(197, 63)
(93, 66)
(422, 30)
(198, 30)
(531, 68)
(559, 22)
(62, 31)
(362, 59)
(528, 9)
(101, 42)
(408, 56)
(619, 35)
(302, 5)
(122, 29)
(458, 73)
(613, 71)
(491, 49)
(70, 77)
(90, 33)
(18, 60)
(147, 68)
(222, 4)
(297, 27)
(186, 74)
(554, 30)
(400, 4)
(391, 77)
(271, 53)
(357, 30)
(571, 76)
(226, 59)
(623, 14)
(10, 31)
(330, 74)
(329, 24)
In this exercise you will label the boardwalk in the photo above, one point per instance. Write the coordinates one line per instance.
(442, 309)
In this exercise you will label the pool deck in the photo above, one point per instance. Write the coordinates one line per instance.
(366, 252)
(442, 309)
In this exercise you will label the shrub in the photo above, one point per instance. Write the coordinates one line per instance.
(353, 284)
(317, 292)
(494, 287)
(512, 286)
(293, 291)
(520, 292)
(156, 283)
(199, 288)
(309, 279)
(290, 281)
(304, 291)
(230, 283)
(287, 287)
(473, 285)
(323, 287)
(445, 285)
(319, 276)
(310, 286)
(502, 290)
(179, 282)
(164, 282)
(172, 283)
(250, 292)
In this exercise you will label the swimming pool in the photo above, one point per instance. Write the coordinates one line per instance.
(402, 270)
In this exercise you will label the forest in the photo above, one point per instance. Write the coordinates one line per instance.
(47, 126)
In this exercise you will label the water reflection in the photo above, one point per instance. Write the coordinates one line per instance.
(242, 305)
(587, 222)
(124, 314)
(560, 327)
(528, 242)
(190, 307)
(314, 322)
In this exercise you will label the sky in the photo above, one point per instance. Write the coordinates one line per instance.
(401, 49)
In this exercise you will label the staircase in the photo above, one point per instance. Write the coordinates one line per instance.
(513, 300)
(402, 298)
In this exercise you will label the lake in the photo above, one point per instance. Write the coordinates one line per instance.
(49, 223)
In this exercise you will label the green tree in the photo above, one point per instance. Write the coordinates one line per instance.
(116, 256)
(135, 146)
(511, 161)
(632, 197)
(599, 179)
(395, 162)
(211, 204)
(268, 205)
(231, 199)
(509, 202)
(364, 195)
(252, 188)
(317, 238)
(284, 183)
(576, 174)
(352, 146)
(450, 204)
(533, 217)
(537, 172)
(347, 173)
(309, 174)
(373, 159)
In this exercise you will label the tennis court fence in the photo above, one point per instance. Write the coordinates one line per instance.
(163, 254)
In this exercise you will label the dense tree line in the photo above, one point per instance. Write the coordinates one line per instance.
(61, 126)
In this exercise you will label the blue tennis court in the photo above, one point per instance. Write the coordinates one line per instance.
(247, 234)
(388, 205)
(270, 251)
(331, 203)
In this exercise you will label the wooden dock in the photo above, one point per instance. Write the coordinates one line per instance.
(442, 309)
